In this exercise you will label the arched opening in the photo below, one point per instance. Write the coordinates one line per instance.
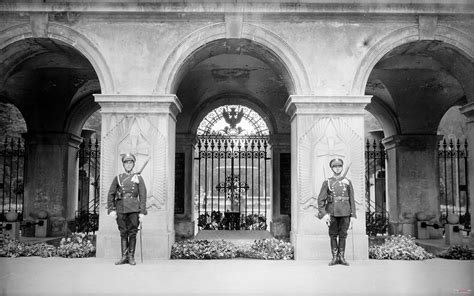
(51, 83)
(413, 86)
(12, 160)
(221, 75)
(232, 162)
(88, 194)
(453, 174)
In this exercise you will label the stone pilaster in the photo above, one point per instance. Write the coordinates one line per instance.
(280, 224)
(322, 128)
(51, 178)
(468, 111)
(412, 180)
(144, 125)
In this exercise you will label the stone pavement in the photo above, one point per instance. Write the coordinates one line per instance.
(93, 276)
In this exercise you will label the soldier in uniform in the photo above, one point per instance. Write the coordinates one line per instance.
(336, 205)
(127, 202)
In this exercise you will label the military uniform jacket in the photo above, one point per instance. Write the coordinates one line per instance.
(336, 198)
(127, 194)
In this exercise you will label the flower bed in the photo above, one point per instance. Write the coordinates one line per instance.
(458, 253)
(78, 245)
(203, 249)
(399, 248)
(268, 249)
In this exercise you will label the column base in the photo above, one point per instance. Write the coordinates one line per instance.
(316, 247)
(280, 229)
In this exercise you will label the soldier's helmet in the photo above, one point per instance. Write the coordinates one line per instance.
(335, 162)
(127, 157)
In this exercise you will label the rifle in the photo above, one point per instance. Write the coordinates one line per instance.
(144, 165)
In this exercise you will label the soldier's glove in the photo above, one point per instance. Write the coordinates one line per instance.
(113, 214)
(141, 216)
(327, 219)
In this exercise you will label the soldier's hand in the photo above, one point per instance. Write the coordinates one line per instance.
(141, 216)
(327, 219)
(113, 214)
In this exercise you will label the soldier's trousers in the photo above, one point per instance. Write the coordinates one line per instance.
(128, 224)
(338, 226)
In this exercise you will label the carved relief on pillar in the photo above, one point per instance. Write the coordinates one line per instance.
(139, 135)
(327, 138)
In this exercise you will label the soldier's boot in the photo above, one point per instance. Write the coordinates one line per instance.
(124, 248)
(131, 250)
(334, 249)
(342, 247)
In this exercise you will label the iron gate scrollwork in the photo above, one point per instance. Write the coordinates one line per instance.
(233, 182)
(12, 167)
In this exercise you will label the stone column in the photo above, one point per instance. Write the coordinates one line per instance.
(281, 192)
(144, 125)
(184, 222)
(322, 128)
(51, 178)
(412, 180)
(468, 111)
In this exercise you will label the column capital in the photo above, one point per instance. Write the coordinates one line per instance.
(415, 142)
(133, 104)
(326, 105)
(468, 111)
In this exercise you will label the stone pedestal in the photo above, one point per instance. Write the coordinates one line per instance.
(323, 128)
(51, 174)
(412, 180)
(11, 230)
(145, 126)
(42, 228)
(421, 230)
(468, 111)
(452, 234)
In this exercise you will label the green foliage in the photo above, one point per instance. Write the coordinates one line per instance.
(458, 253)
(77, 246)
(14, 248)
(268, 249)
(203, 249)
(399, 248)
(217, 220)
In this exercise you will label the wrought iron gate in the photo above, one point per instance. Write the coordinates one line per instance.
(232, 182)
(12, 163)
(87, 214)
(376, 214)
(453, 170)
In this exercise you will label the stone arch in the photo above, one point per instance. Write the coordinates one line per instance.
(170, 76)
(70, 37)
(461, 41)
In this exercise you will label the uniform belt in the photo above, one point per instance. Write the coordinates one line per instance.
(340, 198)
(128, 195)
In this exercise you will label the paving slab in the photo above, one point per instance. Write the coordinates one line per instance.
(94, 276)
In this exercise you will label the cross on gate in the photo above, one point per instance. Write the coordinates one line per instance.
(232, 187)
